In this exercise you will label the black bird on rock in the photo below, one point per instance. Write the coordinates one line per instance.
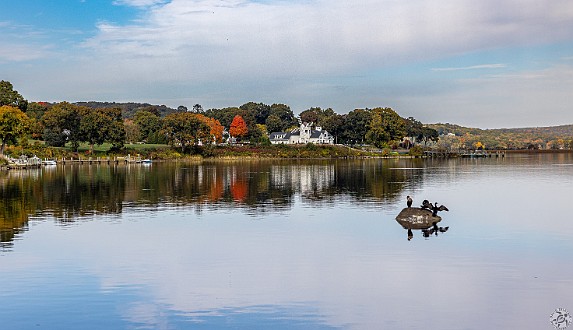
(426, 205)
(409, 201)
(436, 208)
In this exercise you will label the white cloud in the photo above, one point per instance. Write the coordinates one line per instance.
(473, 67)
(233, 38)
(304, 53)
(138, 3)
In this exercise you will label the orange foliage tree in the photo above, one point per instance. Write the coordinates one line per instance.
(238, 127)
(215, 126)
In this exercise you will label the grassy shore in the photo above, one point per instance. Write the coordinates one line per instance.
(166, 152)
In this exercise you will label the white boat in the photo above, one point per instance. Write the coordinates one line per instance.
(49, 162)
(146, 161)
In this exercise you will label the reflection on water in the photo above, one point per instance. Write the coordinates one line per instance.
(70, 192)
(287, 245)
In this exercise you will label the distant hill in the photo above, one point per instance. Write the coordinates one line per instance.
(557, 131)
(552, 137)
(562, 131)
(130, 108)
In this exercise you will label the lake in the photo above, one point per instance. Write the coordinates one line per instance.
(273, 244)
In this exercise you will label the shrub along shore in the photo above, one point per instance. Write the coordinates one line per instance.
(166, 152)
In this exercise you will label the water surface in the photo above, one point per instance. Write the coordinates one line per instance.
(286, 245)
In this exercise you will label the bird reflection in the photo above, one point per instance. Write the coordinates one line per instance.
(427, 232)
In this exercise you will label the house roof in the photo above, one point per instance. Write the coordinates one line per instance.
(279, 136)
(286, 135)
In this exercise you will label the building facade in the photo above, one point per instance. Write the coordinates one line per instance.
(302, 135)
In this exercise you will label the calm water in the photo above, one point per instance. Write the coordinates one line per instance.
(287, 245)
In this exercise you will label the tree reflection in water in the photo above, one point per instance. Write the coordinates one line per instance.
(70, 192)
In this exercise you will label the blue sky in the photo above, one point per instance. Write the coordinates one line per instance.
(488, 63)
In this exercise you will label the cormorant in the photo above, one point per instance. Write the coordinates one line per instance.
(436, 208)
(409, 201)
(426, 205)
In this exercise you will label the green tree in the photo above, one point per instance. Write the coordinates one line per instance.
(357, 124)
(185, 129)
(197, 108)
(149, 124)
(224, 116)
(260, 111)
(334, 125)
(8, 96)
(317, 116)
(115, 129)
(285, 114)
(62, 124)
(414, 128)
(310, 115)
(35, 112)
(429, 134)
(93, 127)
(37, 109)
(13, 124)
(274, 124)
(131, 130)
(386, 125)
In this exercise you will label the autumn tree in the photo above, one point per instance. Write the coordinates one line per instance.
(238, 127)
(185, 129)
(8, 96)
(13, 124)
(216, 129)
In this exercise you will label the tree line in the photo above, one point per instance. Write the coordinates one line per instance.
(64, 123)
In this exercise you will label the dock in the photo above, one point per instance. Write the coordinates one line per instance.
(464, 154)
(103, 160)
(24, 162)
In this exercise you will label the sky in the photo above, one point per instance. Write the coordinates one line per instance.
(486, 64)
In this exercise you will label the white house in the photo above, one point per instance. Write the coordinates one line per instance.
(304, 134)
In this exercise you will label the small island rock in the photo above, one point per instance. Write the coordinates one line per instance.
(417, 218)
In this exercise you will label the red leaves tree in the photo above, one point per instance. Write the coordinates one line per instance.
(238, 127)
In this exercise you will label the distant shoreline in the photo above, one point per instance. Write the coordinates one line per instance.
(533, 151)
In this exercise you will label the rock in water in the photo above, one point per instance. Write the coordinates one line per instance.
(416, 218)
